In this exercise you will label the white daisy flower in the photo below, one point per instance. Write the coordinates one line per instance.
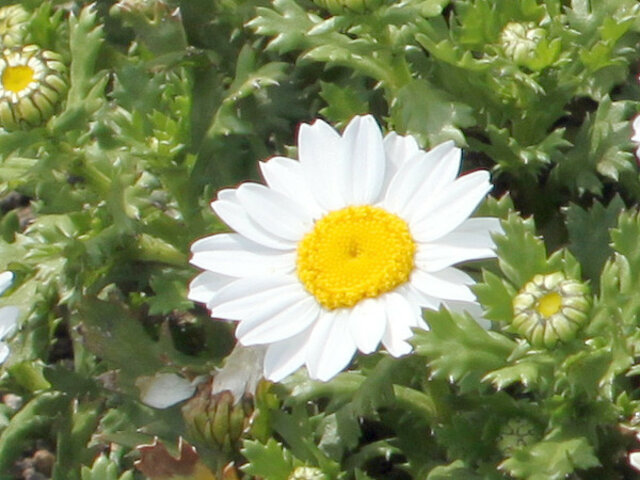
(341, 249)
(31, 83)
(8, 316)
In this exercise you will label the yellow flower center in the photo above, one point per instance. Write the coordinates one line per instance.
(355, 253)
(549, 304)
(17, 78)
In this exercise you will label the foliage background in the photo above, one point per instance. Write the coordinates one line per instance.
(170, 101)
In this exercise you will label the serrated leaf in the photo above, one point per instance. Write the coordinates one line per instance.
(459, 349)
(85, 40)
(454, 471)
(589, 235)
(561, 458)
(530, 372)
(423, 109)
(496, 296)
(270, 461)
(521, 254)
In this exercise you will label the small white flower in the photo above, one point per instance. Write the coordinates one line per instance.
(342, 249)
(8, 316)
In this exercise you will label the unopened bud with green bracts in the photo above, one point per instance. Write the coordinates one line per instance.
(550, 309)
(14, 20)
(217, 420)
(520, 40)
(32, 81)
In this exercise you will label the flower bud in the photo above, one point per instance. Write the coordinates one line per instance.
(217, 420)
(550, 308)
(515, 434)
(32, 81)
(520, 40)
(13, 25)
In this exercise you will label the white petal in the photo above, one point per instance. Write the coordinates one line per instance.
(447, 284)
(234, 255)
(249, 296)
(285, 175)
(402, 316)
(288, 322)
(367, 323)
(8, 320)
(634, 460)
(470, 241)
(399, 149)
(164, 389)
(407, 181)
(330, 347)
(207, 284)
(274, 212)
(241, 372)
(5, 281)
(452, 207)
(421, 299)
(365, 157)
(636, 129)
(285, 357)
(4, 352)
(234, 215)
(426, 180)
(322, 159)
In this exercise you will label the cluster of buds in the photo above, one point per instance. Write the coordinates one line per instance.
(520, 40)
(550, 308)
(218, 420)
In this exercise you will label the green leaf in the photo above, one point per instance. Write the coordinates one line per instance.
(496, 296)
(551, 459)
(454, 471)
(521, 255)
(85, 39)
(422, 109)
(343, 103)
(270, 461)
(30, 422)
(589, 235)
(459, 349)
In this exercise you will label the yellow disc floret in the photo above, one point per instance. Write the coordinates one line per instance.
(355, 253)
(17, 78)
(549, 304)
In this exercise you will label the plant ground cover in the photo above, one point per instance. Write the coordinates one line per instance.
(123, 122)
